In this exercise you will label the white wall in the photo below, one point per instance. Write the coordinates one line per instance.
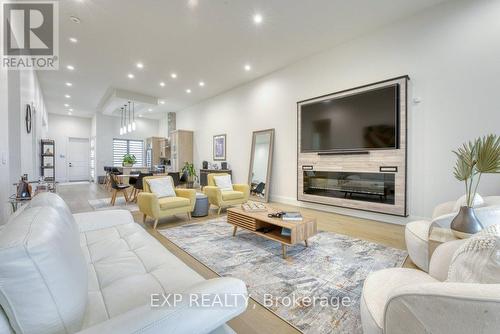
(60, 129)
(21, 150)
(30, 142)
(108, 128)
(451, 53)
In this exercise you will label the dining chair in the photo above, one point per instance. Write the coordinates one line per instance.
(118, 187)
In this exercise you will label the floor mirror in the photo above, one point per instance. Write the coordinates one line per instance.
(261, 159)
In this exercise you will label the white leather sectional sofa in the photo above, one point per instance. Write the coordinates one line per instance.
(95, 273)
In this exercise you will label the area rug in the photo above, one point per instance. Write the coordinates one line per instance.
(317, 289)
(105, 204)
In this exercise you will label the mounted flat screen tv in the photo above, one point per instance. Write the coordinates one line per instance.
(366, 120)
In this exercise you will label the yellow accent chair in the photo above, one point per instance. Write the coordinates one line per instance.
(225, 198)
(152, 206)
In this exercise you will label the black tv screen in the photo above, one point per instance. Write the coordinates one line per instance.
(361, 121)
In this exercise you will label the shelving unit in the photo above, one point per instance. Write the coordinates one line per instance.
(48, 163)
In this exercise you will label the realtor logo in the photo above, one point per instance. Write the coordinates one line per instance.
(30, 35)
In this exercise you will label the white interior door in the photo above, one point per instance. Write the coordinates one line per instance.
(78, 159)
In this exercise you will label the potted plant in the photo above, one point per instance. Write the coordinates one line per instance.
(188, 169)
(128, 160)
(475, 158)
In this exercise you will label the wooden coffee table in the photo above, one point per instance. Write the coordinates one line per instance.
(252, 221)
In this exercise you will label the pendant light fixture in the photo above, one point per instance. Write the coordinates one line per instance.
(121, 122)
(133, 116)
(129, 119)
(125, 120)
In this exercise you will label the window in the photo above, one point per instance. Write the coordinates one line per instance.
(124, 146)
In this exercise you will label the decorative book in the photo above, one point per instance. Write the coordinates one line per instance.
(292, 216)
(286, 232)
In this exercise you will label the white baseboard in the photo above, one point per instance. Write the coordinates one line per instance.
(345, 211)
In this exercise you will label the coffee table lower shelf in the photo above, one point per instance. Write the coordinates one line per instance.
(253, 221)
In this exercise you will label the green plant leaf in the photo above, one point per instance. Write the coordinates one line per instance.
(466, 160)
(488, 154)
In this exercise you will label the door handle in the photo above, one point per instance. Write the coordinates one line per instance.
(70, 164)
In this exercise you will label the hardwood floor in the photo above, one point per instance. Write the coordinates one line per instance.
(257, 319)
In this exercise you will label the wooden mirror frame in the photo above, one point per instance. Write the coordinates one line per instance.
(269, 164)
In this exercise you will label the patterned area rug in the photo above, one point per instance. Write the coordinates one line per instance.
(105, 204)
(330, 272)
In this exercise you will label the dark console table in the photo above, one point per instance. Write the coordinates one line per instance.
(205, 172)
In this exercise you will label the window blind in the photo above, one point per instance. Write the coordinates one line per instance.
(124, 146)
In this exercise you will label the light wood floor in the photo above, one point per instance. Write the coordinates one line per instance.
(256, 319)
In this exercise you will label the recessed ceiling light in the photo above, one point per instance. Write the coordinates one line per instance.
(75, 19)
(73, 40)
(201, 83)
(69, 113)
(150, 109)
(70, 67)
(69, 84)
(173, 75)
(67, 96)
(188, 90)
(162, 102)
(70, 109)
(140, 115)
(130, 76)
(66, 105)
(139, 65)
(162, 84)
(257, 19)
(248, 67)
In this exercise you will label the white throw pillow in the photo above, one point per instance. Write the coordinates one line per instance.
(462, 201)
(162, 187)
(478, 259)
(223, 182)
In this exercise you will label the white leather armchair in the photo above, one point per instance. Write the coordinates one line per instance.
(399, 300)
(417, 232)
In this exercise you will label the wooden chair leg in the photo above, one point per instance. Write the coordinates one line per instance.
(125, 194)
(189, 215)
(218, 211)
(156, 223)
(144, 216)
(113, 197)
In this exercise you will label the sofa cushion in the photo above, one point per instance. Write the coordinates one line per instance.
(167, 203)
(231, 194)
(56, 202)
(4, 323)
(125, 266)
(223, 182)
(478, 259)
(161, 187)
(94, 220)
(43, 273)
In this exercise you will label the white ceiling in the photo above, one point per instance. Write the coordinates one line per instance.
(209, 40)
